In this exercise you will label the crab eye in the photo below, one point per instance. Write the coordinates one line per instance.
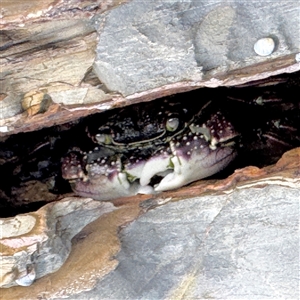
(103, 138)
(172, 124)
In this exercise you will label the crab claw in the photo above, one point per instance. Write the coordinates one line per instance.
(101, 187)
(194, 161)
(106, 181)
(101, 179)
(156, 165)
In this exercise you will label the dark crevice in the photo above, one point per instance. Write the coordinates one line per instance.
(266, 115)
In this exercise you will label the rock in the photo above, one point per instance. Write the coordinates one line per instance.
(92, 257)
(87, 60)
(169, 43)
(241, 244)
(235, 238)
(38, 243)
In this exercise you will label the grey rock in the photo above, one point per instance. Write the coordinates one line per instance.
(145, 46)
(244, 245)
(38, 243)
(140, 50)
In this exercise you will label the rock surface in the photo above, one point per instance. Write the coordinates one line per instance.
(38, 243)
(243, 245)
(135, 52)
(240, 243)
(143, 47)
(237, 238)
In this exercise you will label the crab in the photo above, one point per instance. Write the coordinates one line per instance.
(150, 148)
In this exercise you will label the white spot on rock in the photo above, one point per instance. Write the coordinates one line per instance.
(264, 46)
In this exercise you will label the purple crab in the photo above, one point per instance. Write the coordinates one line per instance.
(151, 148)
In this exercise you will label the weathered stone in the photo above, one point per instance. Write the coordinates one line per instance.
(143, 47)
(27, 12)
(38, 243)
(239, 243)
(242, 244)
(143, 51)
(92, 257)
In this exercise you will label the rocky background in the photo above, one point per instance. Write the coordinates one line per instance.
(236, 238)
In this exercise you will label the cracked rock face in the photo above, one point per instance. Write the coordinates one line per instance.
(225, 239)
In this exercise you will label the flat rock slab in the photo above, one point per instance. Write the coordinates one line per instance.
(143, 47)
(244, 245)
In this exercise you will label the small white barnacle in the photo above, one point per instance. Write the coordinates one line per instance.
(264, 46)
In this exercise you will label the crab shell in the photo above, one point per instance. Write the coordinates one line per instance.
(200, 151)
